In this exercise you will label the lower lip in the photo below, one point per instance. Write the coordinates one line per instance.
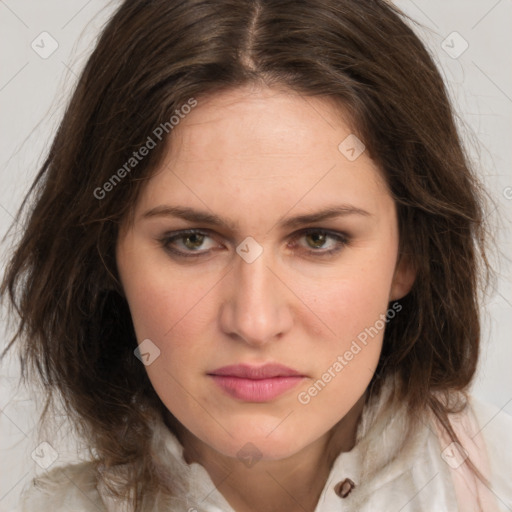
(256, 390)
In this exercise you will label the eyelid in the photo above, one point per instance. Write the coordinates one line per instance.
(329, 232)
(167, 238)
(341, 238)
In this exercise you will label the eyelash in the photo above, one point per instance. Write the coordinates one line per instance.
(341, 241)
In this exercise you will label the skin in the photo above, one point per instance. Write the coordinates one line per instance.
(255, 157)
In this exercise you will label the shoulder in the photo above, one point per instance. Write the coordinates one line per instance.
(65, 488)
(491, 418)
(495, 426)
(487, 429)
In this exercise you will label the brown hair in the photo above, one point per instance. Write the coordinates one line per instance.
(75, 329)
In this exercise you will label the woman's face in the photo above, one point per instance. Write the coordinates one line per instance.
(293, 261)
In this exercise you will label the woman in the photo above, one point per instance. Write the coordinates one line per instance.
(252, 265)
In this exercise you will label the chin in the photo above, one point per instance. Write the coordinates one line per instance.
(251, 451)
(269, 445)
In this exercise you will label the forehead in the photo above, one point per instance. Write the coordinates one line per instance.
(260, 122)
(265, 147)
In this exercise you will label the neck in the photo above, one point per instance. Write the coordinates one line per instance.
(293, 484)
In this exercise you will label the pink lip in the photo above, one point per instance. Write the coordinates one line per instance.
(256, 383)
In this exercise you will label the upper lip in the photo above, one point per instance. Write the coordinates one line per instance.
(246, 371)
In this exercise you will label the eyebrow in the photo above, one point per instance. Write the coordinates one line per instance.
(204, 217)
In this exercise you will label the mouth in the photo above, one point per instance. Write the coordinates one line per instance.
(256, 383)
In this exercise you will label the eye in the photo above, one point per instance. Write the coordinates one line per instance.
(185, 243)
(322, 242)
(193, 243)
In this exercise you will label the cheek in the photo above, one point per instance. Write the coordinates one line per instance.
(347, 356)
(172, 312)
(353, 312)
(351, 302)
(163, 300)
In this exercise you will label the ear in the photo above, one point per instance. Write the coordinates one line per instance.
(403, 278)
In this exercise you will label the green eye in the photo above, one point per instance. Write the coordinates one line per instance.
(317, 239)
(193, 241)
(321, 242)
(188, 243)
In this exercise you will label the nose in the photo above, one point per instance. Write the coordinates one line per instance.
(256, 308)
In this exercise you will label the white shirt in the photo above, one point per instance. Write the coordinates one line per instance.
(391, 468)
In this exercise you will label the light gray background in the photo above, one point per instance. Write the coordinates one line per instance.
(34, 90)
